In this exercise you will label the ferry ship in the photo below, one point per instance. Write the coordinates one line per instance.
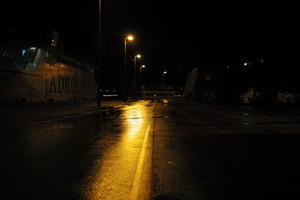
(34, 69)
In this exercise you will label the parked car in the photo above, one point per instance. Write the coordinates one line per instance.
(288, 95)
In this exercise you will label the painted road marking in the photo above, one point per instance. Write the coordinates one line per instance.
(138, 174)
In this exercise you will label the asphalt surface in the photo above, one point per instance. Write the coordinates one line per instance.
(217, 152)
(155, 149)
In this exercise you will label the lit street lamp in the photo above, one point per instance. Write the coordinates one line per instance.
(138, 56)
(163, 75)
(134, 59)
(140, 69)
(127, 38)
(142, 87)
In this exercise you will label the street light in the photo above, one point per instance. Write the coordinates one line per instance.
(163, 74)
(137, 56)
(127, 38)
(130, 37)
(142, 87)
(140, 69)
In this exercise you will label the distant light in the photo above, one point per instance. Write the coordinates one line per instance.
(165, 72)
(262, 61)
(138, 55)
(245, 64)
(143, 66)
(110, 95)
(227, 66)
(32, 48)
(23, 52)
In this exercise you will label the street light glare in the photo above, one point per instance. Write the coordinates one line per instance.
(138, 55)
(165, 72)
(130, 37)
(143, 66)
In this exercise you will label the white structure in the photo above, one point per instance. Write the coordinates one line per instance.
(190, 84)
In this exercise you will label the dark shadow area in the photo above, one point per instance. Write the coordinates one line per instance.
(247, 167)
(165, 197)
(48, 161)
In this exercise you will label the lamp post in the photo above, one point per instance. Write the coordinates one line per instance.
(98, 92)
(141, 68)
(127, 38)
(163, 75)
(138, 56)
(141, 86)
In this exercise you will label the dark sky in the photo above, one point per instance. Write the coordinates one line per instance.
(172, 35)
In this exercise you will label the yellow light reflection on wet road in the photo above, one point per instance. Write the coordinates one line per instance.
(165, 101)
(125, 163)
(134, 120)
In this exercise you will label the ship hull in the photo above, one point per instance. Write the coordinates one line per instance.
(50, 82)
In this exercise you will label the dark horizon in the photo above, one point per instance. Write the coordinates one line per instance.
(172, 36)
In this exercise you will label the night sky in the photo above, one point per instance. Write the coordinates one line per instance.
(172, 35)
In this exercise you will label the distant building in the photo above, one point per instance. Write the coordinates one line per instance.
(204, 82)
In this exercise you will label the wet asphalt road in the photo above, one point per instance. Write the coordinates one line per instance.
(161, 149)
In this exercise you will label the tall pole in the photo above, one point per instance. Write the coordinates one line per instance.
(140, 82)
(134, 75)
(100, 53)
(164, 73)
(125, 71)
(100, 28)
(140, 77)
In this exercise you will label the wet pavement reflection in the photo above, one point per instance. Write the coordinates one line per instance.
(114, 173)
(164, 149)
(95, 156)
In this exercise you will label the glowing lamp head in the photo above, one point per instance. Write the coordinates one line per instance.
(138, 55)
(130, 37)
(143, 66)
(165, 72)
